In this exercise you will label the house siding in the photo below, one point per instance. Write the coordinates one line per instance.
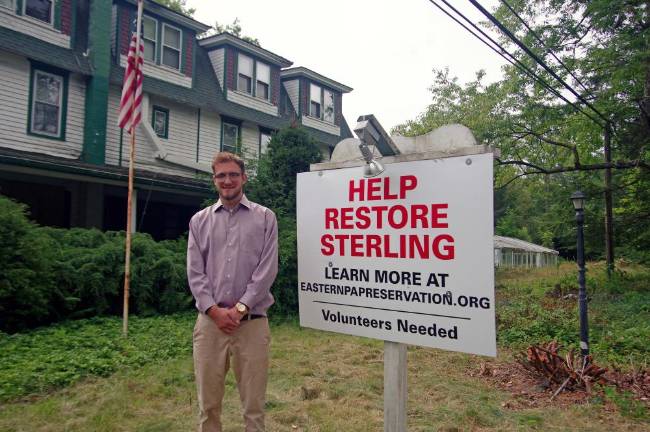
(321, 125)
(14, 99)
(33, 27)
(217, 59)
(231, 69)
(304, 96)
(252, 102)
(182, 129)
(66, 17)
(275, 85)
(292, 88)
(250, 141)
(114, 29)
(125, 29)
(188, 38)
(113, 132)
(338, 108)
(210, 136)
(145, 157)
(162, 73)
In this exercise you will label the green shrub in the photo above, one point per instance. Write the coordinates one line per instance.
(50, 274)
(26, 293)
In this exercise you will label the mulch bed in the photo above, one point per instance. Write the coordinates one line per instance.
(530, 390)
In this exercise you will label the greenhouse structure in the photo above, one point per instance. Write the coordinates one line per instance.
(512, 252)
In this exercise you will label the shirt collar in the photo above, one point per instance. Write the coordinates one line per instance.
(243, 202)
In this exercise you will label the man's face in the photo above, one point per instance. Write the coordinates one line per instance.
(229, 180)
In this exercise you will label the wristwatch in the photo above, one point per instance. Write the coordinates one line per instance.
(241, 308)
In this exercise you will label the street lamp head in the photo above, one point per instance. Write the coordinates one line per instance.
(578, 199)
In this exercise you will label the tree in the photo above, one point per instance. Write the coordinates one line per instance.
(290, 151)
(234, 29)
(605, 45)
(179, 6)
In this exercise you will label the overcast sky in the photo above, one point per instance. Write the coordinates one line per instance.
(385, 50)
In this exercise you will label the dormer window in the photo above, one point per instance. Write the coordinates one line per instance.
(149, 36)
(315, 101)
(263, 81)
(245, 74)
(321, 104)
(171, 47)
(42, 10)
(253, 77)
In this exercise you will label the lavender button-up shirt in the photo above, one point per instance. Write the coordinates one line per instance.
(232, 256)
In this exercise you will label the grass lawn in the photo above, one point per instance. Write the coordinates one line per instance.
(319, 381)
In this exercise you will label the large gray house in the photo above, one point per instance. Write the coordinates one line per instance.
(61, 152)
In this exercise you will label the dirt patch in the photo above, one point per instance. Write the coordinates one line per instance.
(636, 382)
(529, 390)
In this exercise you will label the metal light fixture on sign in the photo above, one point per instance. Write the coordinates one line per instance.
(368, 136)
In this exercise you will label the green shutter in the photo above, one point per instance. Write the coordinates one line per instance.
(57, 15)
(159, 43)
(182, 53)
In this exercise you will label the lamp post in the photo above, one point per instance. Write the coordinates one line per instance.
(578, 199)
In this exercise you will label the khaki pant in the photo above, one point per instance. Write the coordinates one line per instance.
(249, 348)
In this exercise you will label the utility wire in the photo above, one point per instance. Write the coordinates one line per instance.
(503, 52)
(539, 61)
(548, 50)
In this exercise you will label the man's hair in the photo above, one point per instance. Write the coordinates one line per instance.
(224, 157)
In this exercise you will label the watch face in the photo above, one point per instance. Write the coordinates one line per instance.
(241, 308)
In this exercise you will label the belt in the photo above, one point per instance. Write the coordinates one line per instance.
(250, 317)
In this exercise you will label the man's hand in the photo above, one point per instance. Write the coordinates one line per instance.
(234, 314)
(226, 319)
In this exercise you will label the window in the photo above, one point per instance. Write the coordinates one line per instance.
(42, 10)
(328, 105)
(171, 47)
(47, 96)
(149, 36)
(265, 138)
(315, 101)
(245, 74)
(230, 137)
(160, 121)
(321, 105)
(263, 78)
(253, 77)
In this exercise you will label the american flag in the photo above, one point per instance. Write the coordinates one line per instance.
(131, 102)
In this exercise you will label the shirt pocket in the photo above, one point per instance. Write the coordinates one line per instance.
(253, 240)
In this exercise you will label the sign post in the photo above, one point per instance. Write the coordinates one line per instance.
(405, 257)
(395, 388)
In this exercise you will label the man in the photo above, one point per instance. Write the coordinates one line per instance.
(232, 260)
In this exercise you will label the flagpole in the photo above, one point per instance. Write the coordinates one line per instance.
(129, 202)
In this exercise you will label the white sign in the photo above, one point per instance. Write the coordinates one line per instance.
(404, 257)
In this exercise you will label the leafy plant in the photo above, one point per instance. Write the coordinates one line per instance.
(50, 274)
